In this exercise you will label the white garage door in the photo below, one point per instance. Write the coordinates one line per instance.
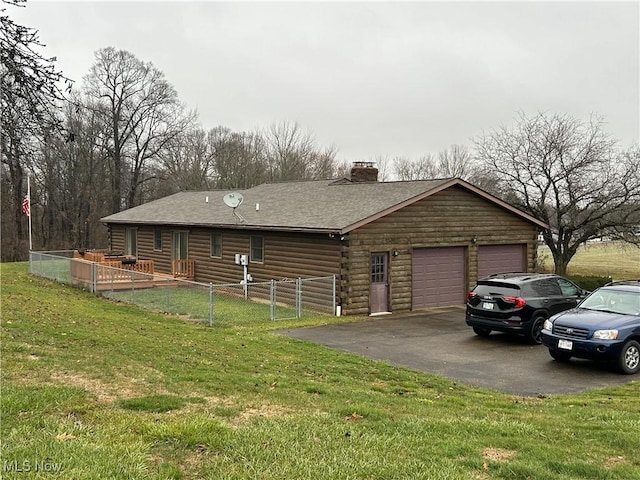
(500, 259)
(438, 276)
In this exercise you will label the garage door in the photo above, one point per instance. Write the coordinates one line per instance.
(500, 259)
(438, 276)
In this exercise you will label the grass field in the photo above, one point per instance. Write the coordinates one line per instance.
(97, 389)
(617, 260)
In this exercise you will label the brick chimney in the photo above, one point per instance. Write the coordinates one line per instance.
(364, 172)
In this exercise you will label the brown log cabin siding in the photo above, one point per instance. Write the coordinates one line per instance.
(449, 218)
(116, 238)
(286, 255)
(161, 258)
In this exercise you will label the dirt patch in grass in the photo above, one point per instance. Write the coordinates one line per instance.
(613, 462)
(104, 392)
(193, 460)
(498, 454)
(264, 411)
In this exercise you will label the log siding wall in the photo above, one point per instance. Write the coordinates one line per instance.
(452, 217)
(286, 255)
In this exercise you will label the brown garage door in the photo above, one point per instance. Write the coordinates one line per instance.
(438, 276)
(500, 259)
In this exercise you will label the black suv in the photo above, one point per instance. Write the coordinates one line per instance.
(519, 302)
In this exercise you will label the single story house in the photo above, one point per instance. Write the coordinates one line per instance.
(393, 246)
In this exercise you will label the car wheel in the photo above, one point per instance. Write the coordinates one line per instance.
(481, 331)
(559, 356)
(629, 359)
(535, 334)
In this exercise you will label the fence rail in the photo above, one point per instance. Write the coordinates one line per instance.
(207, 302)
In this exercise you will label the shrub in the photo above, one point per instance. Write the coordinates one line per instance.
(589, 282)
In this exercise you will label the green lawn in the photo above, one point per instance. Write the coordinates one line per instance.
(617, 260)
(95, 389)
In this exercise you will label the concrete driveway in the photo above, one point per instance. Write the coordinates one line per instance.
(440, 342)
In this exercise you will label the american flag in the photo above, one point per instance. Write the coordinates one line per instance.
(25, 206)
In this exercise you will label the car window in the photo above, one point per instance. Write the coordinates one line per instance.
(568, 288)
(611, 300)
(497, 289)
(629, 303)
(546, 287)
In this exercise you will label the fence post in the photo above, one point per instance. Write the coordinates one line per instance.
(94, 277)
(167, 300)
(334, 295)
(133, 288)
(298, 297)
(273, 300)
(211, 304)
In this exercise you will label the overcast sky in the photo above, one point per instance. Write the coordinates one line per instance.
(370, 78)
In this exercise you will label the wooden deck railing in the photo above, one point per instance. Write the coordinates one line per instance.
(144, 266)
(110, 274)
(109, 269)
(183, 268)
(94, 256)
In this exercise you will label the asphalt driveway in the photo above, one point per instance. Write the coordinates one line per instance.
(440, 342)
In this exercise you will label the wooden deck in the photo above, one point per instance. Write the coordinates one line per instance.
(122, 283)
(119, 272)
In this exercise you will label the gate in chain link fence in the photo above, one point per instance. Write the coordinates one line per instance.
(212, 303)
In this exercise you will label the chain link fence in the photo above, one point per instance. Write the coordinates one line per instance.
(212, 303)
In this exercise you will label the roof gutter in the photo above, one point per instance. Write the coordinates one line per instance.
(229, 226)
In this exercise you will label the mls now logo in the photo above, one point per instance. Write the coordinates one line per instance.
(29, 466)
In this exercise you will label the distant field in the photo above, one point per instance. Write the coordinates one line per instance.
(618, 260)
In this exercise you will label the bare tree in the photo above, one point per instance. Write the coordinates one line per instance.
(142, 113)
(342, 169)
(383, 164)
(455, 161)
(323, 164)
(292, 154)
(31, 86)
(567, 173)
(30, 89)
(186, 163)
(238, 158)
(71, 173)
(423, 168)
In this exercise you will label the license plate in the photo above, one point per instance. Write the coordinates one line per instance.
(487, 305)
(565, 344)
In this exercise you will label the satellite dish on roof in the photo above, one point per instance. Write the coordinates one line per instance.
(233, 199)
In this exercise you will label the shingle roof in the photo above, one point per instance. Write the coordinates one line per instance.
(319, 205)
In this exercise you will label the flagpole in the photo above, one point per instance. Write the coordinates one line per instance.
(29, 199)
